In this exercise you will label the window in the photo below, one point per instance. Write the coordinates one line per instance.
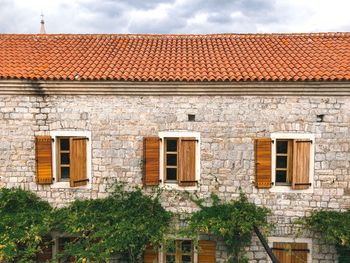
(285, 162)
(181, 251)
(46, 254)
(292, 163)
(71, 160)
(52, 246)
(64, 159)
(290, 250)
(172, 159)
(179, 161)
(61, 243)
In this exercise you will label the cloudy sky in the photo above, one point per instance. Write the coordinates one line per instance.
(175, 16)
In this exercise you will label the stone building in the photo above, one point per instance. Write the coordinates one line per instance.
(268, 113)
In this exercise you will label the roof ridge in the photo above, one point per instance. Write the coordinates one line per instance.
(283, 34)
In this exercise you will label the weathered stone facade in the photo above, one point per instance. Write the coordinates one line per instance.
(228, 126)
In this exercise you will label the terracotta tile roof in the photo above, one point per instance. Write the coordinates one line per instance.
(222, 57)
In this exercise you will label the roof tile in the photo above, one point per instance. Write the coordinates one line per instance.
(222, 57)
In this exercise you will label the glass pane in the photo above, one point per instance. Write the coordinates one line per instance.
(170, 173)
(186, 246)
(62, 241)
(171, 159)
(64, 144)
(64, 158)
(186, 259)
(281, 176)
(282, 146)
(64, 172)
(281, 162)
(171, 247)
(171, 146)
(170, 259)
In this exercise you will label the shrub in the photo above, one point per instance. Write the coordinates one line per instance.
(334, 227)
(24, 220)
(123, 223)
(233, 221)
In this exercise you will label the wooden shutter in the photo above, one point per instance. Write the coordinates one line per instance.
(299, 252)
(43, 156)
(282, 252)
(301, 164)
(151, 157)
(78, 171)
(187, 161)
(46, 254)
(290, 252)
(263, 163)
(150, 255)
(207, 251)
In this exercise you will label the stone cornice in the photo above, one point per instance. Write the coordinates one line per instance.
(46, 88)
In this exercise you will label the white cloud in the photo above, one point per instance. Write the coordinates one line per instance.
(198, 20)
(170, 16)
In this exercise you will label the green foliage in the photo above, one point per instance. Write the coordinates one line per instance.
(122, 223)
(334, 228)
(24, 220)
(233, 221)
(343, 254)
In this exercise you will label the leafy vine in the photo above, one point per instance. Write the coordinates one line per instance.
(123, 223)
(120, 224)
(334, 227)
(24, 221)
(233, 221)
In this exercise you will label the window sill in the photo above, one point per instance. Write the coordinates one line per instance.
(175, 186)
(289, 190)
(66, 185)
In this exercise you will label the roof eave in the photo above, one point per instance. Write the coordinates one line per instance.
(132, 88)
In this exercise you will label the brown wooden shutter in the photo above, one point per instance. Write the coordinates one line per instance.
(207, 251)
(187, 161)
(43, 156)
(78, 167)
(263, 163)
(150, 255)
(282, 252)
(290, 252)
(151, 157)
(46, 254)
(301, 164)
(300, 251)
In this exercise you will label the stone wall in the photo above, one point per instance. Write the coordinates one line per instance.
(227, 126)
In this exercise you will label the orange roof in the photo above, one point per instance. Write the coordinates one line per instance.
(222, 57)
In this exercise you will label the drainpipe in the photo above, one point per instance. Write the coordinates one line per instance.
(266, 246)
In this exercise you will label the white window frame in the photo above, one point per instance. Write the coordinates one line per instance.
(161, 252)
(54, 135)
(55, 237)
(179, 134)
(292, 136)
(273, 239)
